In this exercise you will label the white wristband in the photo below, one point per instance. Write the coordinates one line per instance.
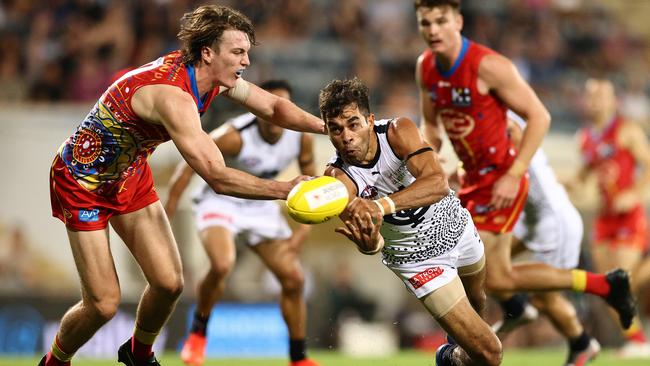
(391, 205)
(381, 207)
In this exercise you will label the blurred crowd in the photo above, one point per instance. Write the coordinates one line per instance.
(67, 50)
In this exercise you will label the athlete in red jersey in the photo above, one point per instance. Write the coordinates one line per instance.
(469, 88)
(101, 174)
(618, 154)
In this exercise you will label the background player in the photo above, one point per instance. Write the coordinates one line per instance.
(262, 149)
(617, 153)
(101, 173)
(469, 89)
(551, 227)
(430, 239)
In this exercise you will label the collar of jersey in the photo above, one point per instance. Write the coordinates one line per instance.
(461, 55)
(195, 88)
(598, 134)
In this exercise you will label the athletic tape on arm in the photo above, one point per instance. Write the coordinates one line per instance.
(240, 91)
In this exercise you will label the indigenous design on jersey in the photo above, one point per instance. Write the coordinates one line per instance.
(412, 235)
(112, 143)
(476, 124)
(615, 166)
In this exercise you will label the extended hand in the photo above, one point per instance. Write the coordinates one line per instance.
(359, 206)
(504, 191)
(363, 230)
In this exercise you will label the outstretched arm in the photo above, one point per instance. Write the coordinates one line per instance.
(176, 110)
(274, 109)
(229, 143)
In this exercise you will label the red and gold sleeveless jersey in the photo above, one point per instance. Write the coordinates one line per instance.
(476, 124)
(112, 142)
(615, 166)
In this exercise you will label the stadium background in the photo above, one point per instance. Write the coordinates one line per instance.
(58, 57)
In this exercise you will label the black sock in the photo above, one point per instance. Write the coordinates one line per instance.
(297, 350)
(514, 306)
(579, 343)
(199, 324)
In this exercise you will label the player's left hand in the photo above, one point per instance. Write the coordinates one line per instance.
(363, 230)
(505, 191)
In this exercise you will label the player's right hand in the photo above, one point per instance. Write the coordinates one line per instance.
(363, 230)
(505, 191)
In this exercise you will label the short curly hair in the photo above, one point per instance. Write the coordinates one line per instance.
(454, 4)
(338, 94)
(204, 27)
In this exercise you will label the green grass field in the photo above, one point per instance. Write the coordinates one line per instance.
(511, 358)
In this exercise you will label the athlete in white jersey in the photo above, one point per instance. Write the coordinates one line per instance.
(551, 227)
(406, 210)
(259, 148)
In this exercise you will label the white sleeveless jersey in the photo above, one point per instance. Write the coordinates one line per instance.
(545, 194)
(413, 235)
(257, 156)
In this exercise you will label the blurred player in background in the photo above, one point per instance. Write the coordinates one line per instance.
(101, 173)
(469, 89)
(407, 211)
(256, 146)
(551, 228)
(617, 153)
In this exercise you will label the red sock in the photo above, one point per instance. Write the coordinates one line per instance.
(140, 350)
(597, 284)
(53, 361)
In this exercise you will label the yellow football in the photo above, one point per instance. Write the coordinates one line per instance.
(317, 200)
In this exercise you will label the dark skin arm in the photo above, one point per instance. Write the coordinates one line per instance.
(430, 184)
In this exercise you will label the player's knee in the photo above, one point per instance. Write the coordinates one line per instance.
(500, 282)
(292, 281)
(103, 309)
(171, 287)
(221, 269)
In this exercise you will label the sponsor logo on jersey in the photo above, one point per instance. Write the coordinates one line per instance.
(461, 97)
(457, 124)
(425, 276)
(216, 216)
(89, 215)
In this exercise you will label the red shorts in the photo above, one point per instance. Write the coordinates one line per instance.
(477, 201)
(629, 229)
(82, 210)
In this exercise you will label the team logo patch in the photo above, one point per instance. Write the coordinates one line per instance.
(461, 97)
(425, 276)
(370, 192)
(89, 215)
(87, 147)
(457, 124)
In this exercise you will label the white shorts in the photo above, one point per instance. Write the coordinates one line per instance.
(424, 277)
(554, 238)
(253, 220)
